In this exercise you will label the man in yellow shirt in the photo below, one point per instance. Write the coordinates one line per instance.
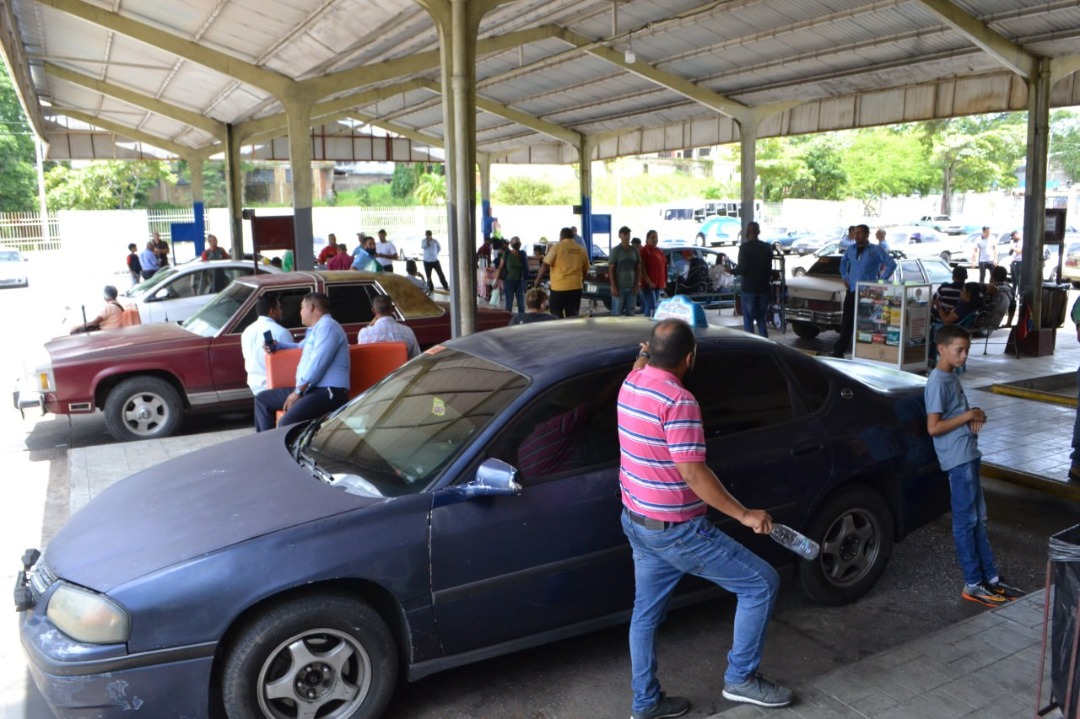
(568, 262)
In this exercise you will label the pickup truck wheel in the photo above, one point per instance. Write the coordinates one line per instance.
(700, 239)
(855, 531)
(805, 330)
(799, 272)
(143, 408)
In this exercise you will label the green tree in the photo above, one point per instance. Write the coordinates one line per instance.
(1065, 142)
(825, 178)
(431, 189)
(780, 167)
(890, 161)
(404, 180)
(976, 153)
(111, 185)
(528, 191)
(18, 181)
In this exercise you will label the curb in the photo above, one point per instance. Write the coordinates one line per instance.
(1057, 488)
(1034, 394)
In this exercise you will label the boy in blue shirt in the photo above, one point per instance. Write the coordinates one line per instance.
(955, 426)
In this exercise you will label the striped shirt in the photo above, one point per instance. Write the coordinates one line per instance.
(659, 425)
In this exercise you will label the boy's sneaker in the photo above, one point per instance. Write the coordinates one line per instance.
(982, 594)
(1005, 590)
(666, 707)
(759, 690)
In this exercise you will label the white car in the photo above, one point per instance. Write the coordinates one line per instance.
(174, 293)
(12, 269)
(925, 242)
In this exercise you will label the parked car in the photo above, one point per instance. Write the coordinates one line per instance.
(797, 266)
(719, 231)
(598, 279)
(941, 223)
(12, 269)
(1070, 267)
(316, 565)
(810, 244)
(815, 301)
(924, 242)
(782, 237)
(174, 293)
(144, 378)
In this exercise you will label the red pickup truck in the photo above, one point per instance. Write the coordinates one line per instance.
(145, 377)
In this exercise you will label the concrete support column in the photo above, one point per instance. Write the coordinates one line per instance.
(585, 151)
(234, 177)
(748, 127)
(483, 163)
(1035, 195)
(298, 111)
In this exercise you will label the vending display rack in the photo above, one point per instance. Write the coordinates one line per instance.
(892, 325)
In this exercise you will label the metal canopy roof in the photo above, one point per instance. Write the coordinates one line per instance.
(171, 75)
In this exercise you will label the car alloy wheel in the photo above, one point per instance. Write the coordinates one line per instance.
(143, 408)
(855, 531)
(324, 657)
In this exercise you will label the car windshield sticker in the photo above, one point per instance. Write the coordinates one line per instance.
(438, 407)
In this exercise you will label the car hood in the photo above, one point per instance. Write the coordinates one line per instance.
(191, 506)
(815, 288)
(119, 341)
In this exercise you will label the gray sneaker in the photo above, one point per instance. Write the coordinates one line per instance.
(759, 690)
(666, 707)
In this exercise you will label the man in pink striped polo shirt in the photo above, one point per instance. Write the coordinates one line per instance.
(666, 490)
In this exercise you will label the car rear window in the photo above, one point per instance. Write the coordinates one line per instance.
(828, 266)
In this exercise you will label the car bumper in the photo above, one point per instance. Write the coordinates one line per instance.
(814, 317)
(114, 688)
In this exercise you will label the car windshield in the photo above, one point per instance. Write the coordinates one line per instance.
(148, 287)
(211, 317)
(395, 438)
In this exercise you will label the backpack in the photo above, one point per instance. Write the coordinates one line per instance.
(129, 315)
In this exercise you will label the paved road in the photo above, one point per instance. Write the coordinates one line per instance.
(586, 676)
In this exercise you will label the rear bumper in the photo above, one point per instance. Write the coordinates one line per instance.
(813, 317)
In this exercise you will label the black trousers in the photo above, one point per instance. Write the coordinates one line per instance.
(317, 402)
(437, 266)
(565, 303)
(847, 325)
(985, 267)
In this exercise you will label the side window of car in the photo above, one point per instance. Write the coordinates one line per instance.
(186, 285)
(910, 272)
(739, 392)
(350, 303)
(290, 309)
(570, 427)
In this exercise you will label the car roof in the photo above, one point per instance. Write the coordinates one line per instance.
(549, 351)
(409, 299)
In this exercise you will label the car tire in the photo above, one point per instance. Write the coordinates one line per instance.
(143, 408)
(777, 248)
(947, 256)
(855, 531)
(805, 330)
(700, 239)
(331, 653)
(799, 272)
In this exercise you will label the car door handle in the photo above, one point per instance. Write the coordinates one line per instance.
(805, 450)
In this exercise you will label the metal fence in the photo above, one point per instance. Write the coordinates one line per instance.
(23, 231)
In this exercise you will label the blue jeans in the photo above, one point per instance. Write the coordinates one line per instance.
(661, 558)
(625, 304)
(755, 306)
(1076, 432)
(512, 289)
(969, 524)
(650, 299)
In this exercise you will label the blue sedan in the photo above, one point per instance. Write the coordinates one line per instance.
(465, 507)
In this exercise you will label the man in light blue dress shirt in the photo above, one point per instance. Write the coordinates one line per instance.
(322, 377)
(862, 262)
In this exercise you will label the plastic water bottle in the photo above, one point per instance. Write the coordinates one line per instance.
(799, 543)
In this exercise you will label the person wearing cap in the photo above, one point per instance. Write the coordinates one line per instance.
(110, 317)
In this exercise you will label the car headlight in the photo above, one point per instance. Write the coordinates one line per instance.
(87, 616)
(38, 370)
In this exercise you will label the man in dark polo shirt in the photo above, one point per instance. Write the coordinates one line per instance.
(666, 490)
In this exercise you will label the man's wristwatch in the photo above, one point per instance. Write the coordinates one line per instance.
(298, 392)
(644, 354)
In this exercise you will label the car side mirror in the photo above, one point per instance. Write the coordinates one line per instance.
(494, 478)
